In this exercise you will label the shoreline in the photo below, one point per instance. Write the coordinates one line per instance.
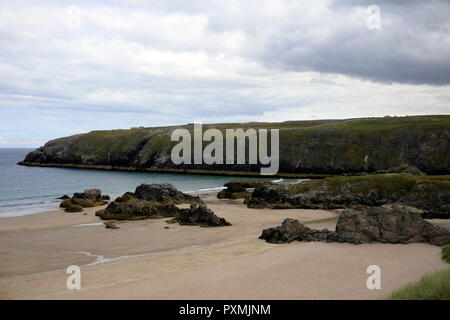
(145, 260)
(36, 208)
(177, 171)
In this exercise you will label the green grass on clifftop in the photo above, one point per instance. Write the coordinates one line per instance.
(384, 182)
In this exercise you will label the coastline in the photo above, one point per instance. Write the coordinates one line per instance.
(180, 171)
(144, 260)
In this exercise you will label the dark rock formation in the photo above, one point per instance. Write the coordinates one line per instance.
(136, 209)
(87, 199)
(164, 193)
(364, 225)
(88, 194)
(105, 197)
(431, 194)
(64, 197)
(149, 201)
(290, 230)
(381, 224)
(70, 206)
(225, 194)
(199, 216)
(317, 147)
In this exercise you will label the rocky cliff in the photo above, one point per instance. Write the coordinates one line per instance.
(306, 147)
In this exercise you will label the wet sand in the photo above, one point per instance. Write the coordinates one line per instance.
(145, 260)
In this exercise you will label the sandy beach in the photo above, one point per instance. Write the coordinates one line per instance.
(150, 259)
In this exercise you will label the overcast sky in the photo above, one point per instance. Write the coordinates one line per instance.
(119, 64)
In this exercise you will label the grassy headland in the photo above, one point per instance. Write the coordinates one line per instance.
(322, 147)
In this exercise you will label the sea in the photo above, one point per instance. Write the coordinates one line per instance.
(30, 190)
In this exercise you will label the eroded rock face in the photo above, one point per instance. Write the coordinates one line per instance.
(364, 225)
(164, 193)
(199, 215)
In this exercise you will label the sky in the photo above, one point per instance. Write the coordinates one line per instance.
(70, 67)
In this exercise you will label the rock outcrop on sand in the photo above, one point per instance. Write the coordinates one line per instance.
(306, 147)
(199, 215)
(239, 189)
(429, 194)
(87, 199)
(135, 209)
(148, 201)
(164, 193)
(364, 225)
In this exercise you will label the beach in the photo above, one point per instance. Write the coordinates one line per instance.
(151, 259)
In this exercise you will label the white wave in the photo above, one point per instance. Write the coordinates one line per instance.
(89, 224)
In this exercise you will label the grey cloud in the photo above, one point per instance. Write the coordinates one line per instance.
(413, 45)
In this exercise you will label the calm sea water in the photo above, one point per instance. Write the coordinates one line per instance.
(27, 190)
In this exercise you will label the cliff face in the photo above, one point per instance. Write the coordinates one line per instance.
(321, 147)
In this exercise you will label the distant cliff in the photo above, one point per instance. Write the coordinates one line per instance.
(306, 147)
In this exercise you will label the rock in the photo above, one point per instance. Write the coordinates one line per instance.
(199, 215)
(85, 203)
(66, 203)
(225, 194)
(136, 210)
(110, 225)
(148, 201)
(365, 225)
(64, 197)
(87, 199)
(290, 230)
(105, 197)
(127, 196)
(428, 194)
(88, 194)
(164, 193)
(69, 206)
(378, 224)
(271, 196)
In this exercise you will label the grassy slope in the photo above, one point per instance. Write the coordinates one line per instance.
(387, 182)
(295, 128)
(433, 286)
